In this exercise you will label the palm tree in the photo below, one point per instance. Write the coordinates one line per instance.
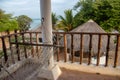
(54, 20)
(66, 23)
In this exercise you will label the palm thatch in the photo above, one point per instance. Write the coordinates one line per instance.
(91, 27)
(39, 35)
(38, 29)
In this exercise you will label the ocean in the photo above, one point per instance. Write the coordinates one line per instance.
(35, 23)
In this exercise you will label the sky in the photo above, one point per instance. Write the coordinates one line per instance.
(31, 8)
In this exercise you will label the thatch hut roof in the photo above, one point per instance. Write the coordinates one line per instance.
(91, 27)
(39, 29)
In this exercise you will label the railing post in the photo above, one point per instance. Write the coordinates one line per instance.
(58, 50)
(17, 46)
(81, 48)
(72, 48)
(116, 52)
(37, 46)
(32, 51)
(107, 52)
(90, 49)
(65, 48)
(4, 49)
(12, 56)
(99, 47)
(23, 38)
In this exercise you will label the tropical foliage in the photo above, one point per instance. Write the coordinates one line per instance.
(7, 22)
(66, 23)
(54, 20)
(105, 12)
(24, 22)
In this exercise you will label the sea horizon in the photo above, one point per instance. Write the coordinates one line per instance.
(35, 23)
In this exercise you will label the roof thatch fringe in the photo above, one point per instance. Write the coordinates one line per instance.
(92, 27)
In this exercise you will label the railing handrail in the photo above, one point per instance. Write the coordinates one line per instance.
(34, 44)
(92, 33)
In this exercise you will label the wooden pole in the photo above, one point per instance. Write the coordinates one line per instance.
(72, 48)
(32, 50)
(90, 50)
(116, 52)
(99, 47)
(81, 48)
(12, 56)
(4, 49)
(107, 52)
(58, 49)
(25, 50)
(17, 46)
(65, 48)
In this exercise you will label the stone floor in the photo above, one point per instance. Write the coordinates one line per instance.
(77, 75)
(71, 75)
(69, 72)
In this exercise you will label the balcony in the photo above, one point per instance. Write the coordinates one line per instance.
(92, 55)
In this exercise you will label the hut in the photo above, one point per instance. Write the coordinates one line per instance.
(91, 27)
(39, 36)
(37, 29)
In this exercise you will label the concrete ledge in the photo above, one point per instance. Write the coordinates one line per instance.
(15, 66)
(51, 74)
(11, 69)
(90, 68)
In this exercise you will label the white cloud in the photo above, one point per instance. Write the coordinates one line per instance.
(31, 8)
(58, 1)
(16, 2)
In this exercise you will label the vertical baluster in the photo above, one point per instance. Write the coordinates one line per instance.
(17, 46)
(107, 52)
(58, 50)
(36, 42)
(32, 51)
(12, 56)
(90, 50)
(72, 50)
(81, 48)
(65, 48)
(116, 52)
(37, 46)
(4, 49)
(99, 46)
(23, 39)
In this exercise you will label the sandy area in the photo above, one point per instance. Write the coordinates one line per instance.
(77, 75)
(85, 60)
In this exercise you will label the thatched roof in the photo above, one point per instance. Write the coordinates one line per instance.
(39, 29)
(91, 27)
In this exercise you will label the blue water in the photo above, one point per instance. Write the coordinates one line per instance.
(35, 23)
